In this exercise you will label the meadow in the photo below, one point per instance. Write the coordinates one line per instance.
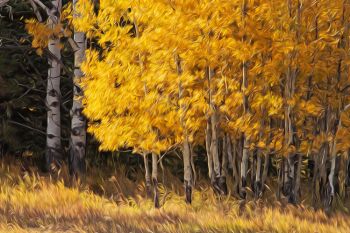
(30, 202)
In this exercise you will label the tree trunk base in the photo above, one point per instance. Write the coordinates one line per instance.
(156, 193)
(257, 189)
(188, 193)
(243, 192)
(223, 185)
(149, 191)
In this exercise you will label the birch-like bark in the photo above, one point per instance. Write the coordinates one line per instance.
(207, 146)
(289, 90)
(147, 176)
(331, 176)
(246, 143)
(194, 180)
(245, 152)
(155, 180)
(214, 139)
(322, 169)
(187, 171)
(288, 137)
(78, 124)
(214, 151)
(344, 44)
(258, 173)
(186, 148)
(53, 94)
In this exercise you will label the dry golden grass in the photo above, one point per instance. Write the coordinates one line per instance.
(38, 204)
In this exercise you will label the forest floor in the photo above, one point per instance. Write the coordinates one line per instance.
(33, 203)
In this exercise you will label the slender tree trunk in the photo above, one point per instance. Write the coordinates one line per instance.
(224, 166)
(314, 180)
(214, 158)
(209, 156)
(347, 171)
(331, 178)
(78, 125)
(297, 190)
(322, 170)
(193, 167)
(186, 150)
(147, 176)
(244, 167)
(155, 180)
(258, 173)
(281, 178)
(265, 171)
(245, 151)
(333, 174)
(229, 152)
(285, 184)
(232, 152)
(188, 179)
(53, 131)
(291, 178)
(214, 151)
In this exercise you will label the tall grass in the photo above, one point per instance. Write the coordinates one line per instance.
(33, 203)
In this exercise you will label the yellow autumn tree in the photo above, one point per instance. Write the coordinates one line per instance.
(246, 80)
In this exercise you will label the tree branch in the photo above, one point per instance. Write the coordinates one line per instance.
(27, 126)
(42, 5)
(36, 11)
(3, 2)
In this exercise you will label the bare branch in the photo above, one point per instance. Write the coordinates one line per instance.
(3, 2)
(36, 11)
(73, 44)
(42, 5)
(27, 126)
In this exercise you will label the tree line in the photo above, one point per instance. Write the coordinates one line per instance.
(255, 84)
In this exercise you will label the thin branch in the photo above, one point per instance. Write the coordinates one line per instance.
(26, 126)
(346, 107)
(36, 11)
(72, 44)
(42, 5)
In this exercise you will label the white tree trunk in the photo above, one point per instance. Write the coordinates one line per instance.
(258, 173)
(186, 147)
(207, 146)
(78, 125)
(214, 148)
(53, 95)
(244, 167)
(187, 171)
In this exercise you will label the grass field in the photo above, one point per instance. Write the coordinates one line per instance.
(30, 203)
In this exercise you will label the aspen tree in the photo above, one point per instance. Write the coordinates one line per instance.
(48, 36)
(78, 124)
(265, 78)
